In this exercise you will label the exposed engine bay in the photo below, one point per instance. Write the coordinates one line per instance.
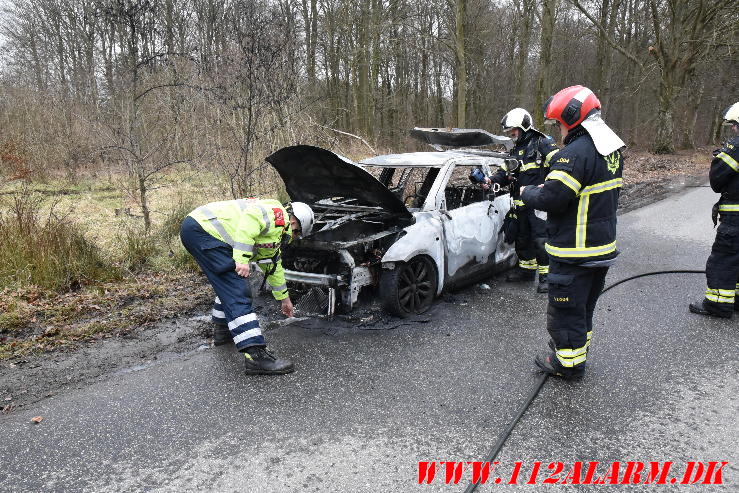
(346, 248)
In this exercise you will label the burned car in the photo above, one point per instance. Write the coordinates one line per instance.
(406, 225)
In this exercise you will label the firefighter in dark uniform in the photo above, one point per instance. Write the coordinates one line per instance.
(224, 238)
(532, 150)
(580, 196)
(722, 267)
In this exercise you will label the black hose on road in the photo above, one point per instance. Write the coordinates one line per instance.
(655, 273)
(544, 376)
(507, 432)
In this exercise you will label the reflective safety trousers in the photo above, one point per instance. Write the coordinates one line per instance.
(580, 196)
(573, 292)
(253, 228)
(233, 305)
(722, 267)
(530, 240)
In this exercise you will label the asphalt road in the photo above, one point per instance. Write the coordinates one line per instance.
(366, 405)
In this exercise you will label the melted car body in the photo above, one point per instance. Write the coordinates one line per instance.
(407, 226)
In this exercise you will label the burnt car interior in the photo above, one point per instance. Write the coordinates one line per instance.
(460, 192)
(410, 184)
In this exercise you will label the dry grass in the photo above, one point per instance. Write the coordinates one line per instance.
(36, 321)
(155, 275)
(641, 166)
(45, 248)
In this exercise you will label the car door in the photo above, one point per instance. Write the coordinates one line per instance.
(471, 223)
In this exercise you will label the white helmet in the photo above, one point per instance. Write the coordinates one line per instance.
(731, 115)
(304, 215)
(516, 118)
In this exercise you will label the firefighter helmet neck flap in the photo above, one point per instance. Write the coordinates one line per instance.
(578, 105)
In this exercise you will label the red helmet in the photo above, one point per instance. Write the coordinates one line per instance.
(571, 106)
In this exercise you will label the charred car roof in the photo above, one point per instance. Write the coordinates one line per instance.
(435, 159)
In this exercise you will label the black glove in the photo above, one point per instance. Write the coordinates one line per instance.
(714, 214)
(510, 226)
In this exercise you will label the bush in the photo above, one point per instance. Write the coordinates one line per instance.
(170, 228)
(50, 252)
(169, 231)
(181, 259)
(138, 248)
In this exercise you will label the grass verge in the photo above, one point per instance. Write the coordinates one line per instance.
(35, 321)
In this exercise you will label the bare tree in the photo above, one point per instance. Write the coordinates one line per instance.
(683, 31)
(543, 82)
(461, 58)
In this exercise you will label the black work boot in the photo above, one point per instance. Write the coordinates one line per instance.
(259, 361)
(549, 364)
(221, 335)
(701, 309)
(543, 286)
(521, 275)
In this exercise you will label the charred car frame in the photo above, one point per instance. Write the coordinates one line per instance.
(410, 225)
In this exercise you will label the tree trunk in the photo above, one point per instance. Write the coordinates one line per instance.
(663, 140)
(523, 51)
(310, 19)
(607, 69)
(363, 69)
(600, 53)
(169, 23)
(461, 72)
(691, 117)
(543, 90)
(438, 67)
(144, 201)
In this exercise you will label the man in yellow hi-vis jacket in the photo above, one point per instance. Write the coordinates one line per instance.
(224, 237)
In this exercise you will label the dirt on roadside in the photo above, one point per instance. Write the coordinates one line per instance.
(649, 177)
(174, 320)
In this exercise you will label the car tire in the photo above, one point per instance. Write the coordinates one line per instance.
(409, 288)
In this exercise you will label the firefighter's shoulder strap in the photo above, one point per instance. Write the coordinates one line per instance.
(272, 268)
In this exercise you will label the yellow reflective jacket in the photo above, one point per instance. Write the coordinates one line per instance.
(254, 229)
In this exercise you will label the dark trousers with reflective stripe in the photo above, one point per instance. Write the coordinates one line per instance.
(215, 259)
(531, 237)
(722, 266)
(573, 293)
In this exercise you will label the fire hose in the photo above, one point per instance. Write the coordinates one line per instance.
(542, 379)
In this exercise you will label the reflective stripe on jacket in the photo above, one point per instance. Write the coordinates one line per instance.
(534, 153)
(724, 176)
(580, 195)
(254, 229)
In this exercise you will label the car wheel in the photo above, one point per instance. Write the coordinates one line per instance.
(410, 287)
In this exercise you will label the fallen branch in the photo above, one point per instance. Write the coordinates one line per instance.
(347, 134)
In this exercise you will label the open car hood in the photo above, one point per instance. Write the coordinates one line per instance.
(312, 173)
